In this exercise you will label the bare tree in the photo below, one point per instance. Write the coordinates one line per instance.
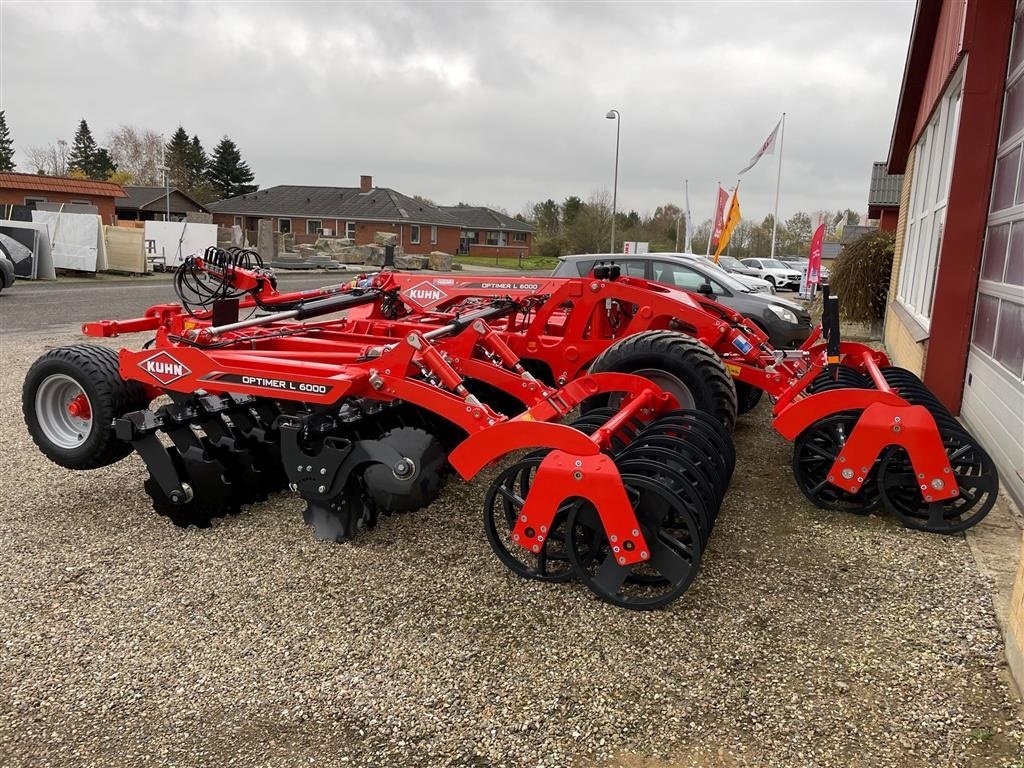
(137, 151)
(51, 160)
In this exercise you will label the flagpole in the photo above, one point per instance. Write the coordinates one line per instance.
(778, 184)
(679, 223)
(687, 245)
(718, 191)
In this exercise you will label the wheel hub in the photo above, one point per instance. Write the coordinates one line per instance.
(63, 411)
(79, 407)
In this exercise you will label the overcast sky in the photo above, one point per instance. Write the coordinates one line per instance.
(502, 103)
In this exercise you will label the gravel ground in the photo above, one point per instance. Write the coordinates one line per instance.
(809, 639)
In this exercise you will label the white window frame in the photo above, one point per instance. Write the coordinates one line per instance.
(929, 196)
(81, 202)
(414, 234)
(317, 229)
(350, 230)
(433, 234)
(281, 231)
(519, 237)
(1012, 215)
(238, 221)
(502, 238)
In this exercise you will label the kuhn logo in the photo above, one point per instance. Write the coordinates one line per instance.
(426, 293)
(164, 368)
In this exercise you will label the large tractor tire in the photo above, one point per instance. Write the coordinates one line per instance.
(680, 364)
(70, 399)
(747, 397)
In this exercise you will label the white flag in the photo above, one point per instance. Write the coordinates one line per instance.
(768, 148)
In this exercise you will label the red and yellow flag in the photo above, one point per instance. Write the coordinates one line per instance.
(731, 220)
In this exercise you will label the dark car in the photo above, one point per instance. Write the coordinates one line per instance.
(786, 323)
(6, 272)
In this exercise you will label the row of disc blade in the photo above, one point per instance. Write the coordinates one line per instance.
(675, 469)
(891, 483)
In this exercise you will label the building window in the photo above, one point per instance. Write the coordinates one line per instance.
(33, 200)
(414, 234)
(238, 221)
(519, 237)
(313, 226)
(999, 317)
(284, 226)
(433, 235)
(471, 237)
(496, 238)
(926, 215)
(350, 230)
(81, 202)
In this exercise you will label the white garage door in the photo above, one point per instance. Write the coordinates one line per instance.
(993, 403)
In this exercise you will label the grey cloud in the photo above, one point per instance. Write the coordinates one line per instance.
(500, 102)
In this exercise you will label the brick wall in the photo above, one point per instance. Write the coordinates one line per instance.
(499, 251)
(447, 237)
(1015, 636)
(105, 205)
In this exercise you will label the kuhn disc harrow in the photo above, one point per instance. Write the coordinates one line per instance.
(360, 397)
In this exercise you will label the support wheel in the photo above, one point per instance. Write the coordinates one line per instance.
(814, 453)
(747, 397)
(70, 399)
(504, 501)
(975, 474)
(680, 364)
(669, 530)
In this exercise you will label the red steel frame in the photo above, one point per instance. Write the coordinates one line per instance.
(564, 323)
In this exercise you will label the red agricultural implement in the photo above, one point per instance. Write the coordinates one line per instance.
(362, 413)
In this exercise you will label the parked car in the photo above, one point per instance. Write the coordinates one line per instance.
(735, 268)
(6, 272)
(786, 323)
(801, 264)
(774, 271)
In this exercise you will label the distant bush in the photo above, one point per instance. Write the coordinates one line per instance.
(860, 276)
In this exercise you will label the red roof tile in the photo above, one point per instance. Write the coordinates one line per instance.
(35, 183)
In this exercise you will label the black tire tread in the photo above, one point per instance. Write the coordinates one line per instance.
(115, 397)
(688, 351)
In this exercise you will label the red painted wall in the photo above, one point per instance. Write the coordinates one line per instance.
(987, 31)
(888, 220)
(949, 40)
(105, 205)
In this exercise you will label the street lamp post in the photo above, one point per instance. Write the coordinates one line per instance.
(613, 114)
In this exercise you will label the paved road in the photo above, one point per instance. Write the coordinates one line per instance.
(44, 305)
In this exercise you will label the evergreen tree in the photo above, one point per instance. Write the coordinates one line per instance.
(83, 151)
(177, 157)
(227, 172)
(6, 145)
(195, 164)
(102, 165)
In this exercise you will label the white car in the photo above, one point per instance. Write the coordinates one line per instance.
(753, 284)
(736, 268)
(781, 275)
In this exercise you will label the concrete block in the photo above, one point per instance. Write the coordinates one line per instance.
(385, 238)
(440, 261)
(411, 262)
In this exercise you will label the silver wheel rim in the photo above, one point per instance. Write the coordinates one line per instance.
(667, 382)
(58, 425)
